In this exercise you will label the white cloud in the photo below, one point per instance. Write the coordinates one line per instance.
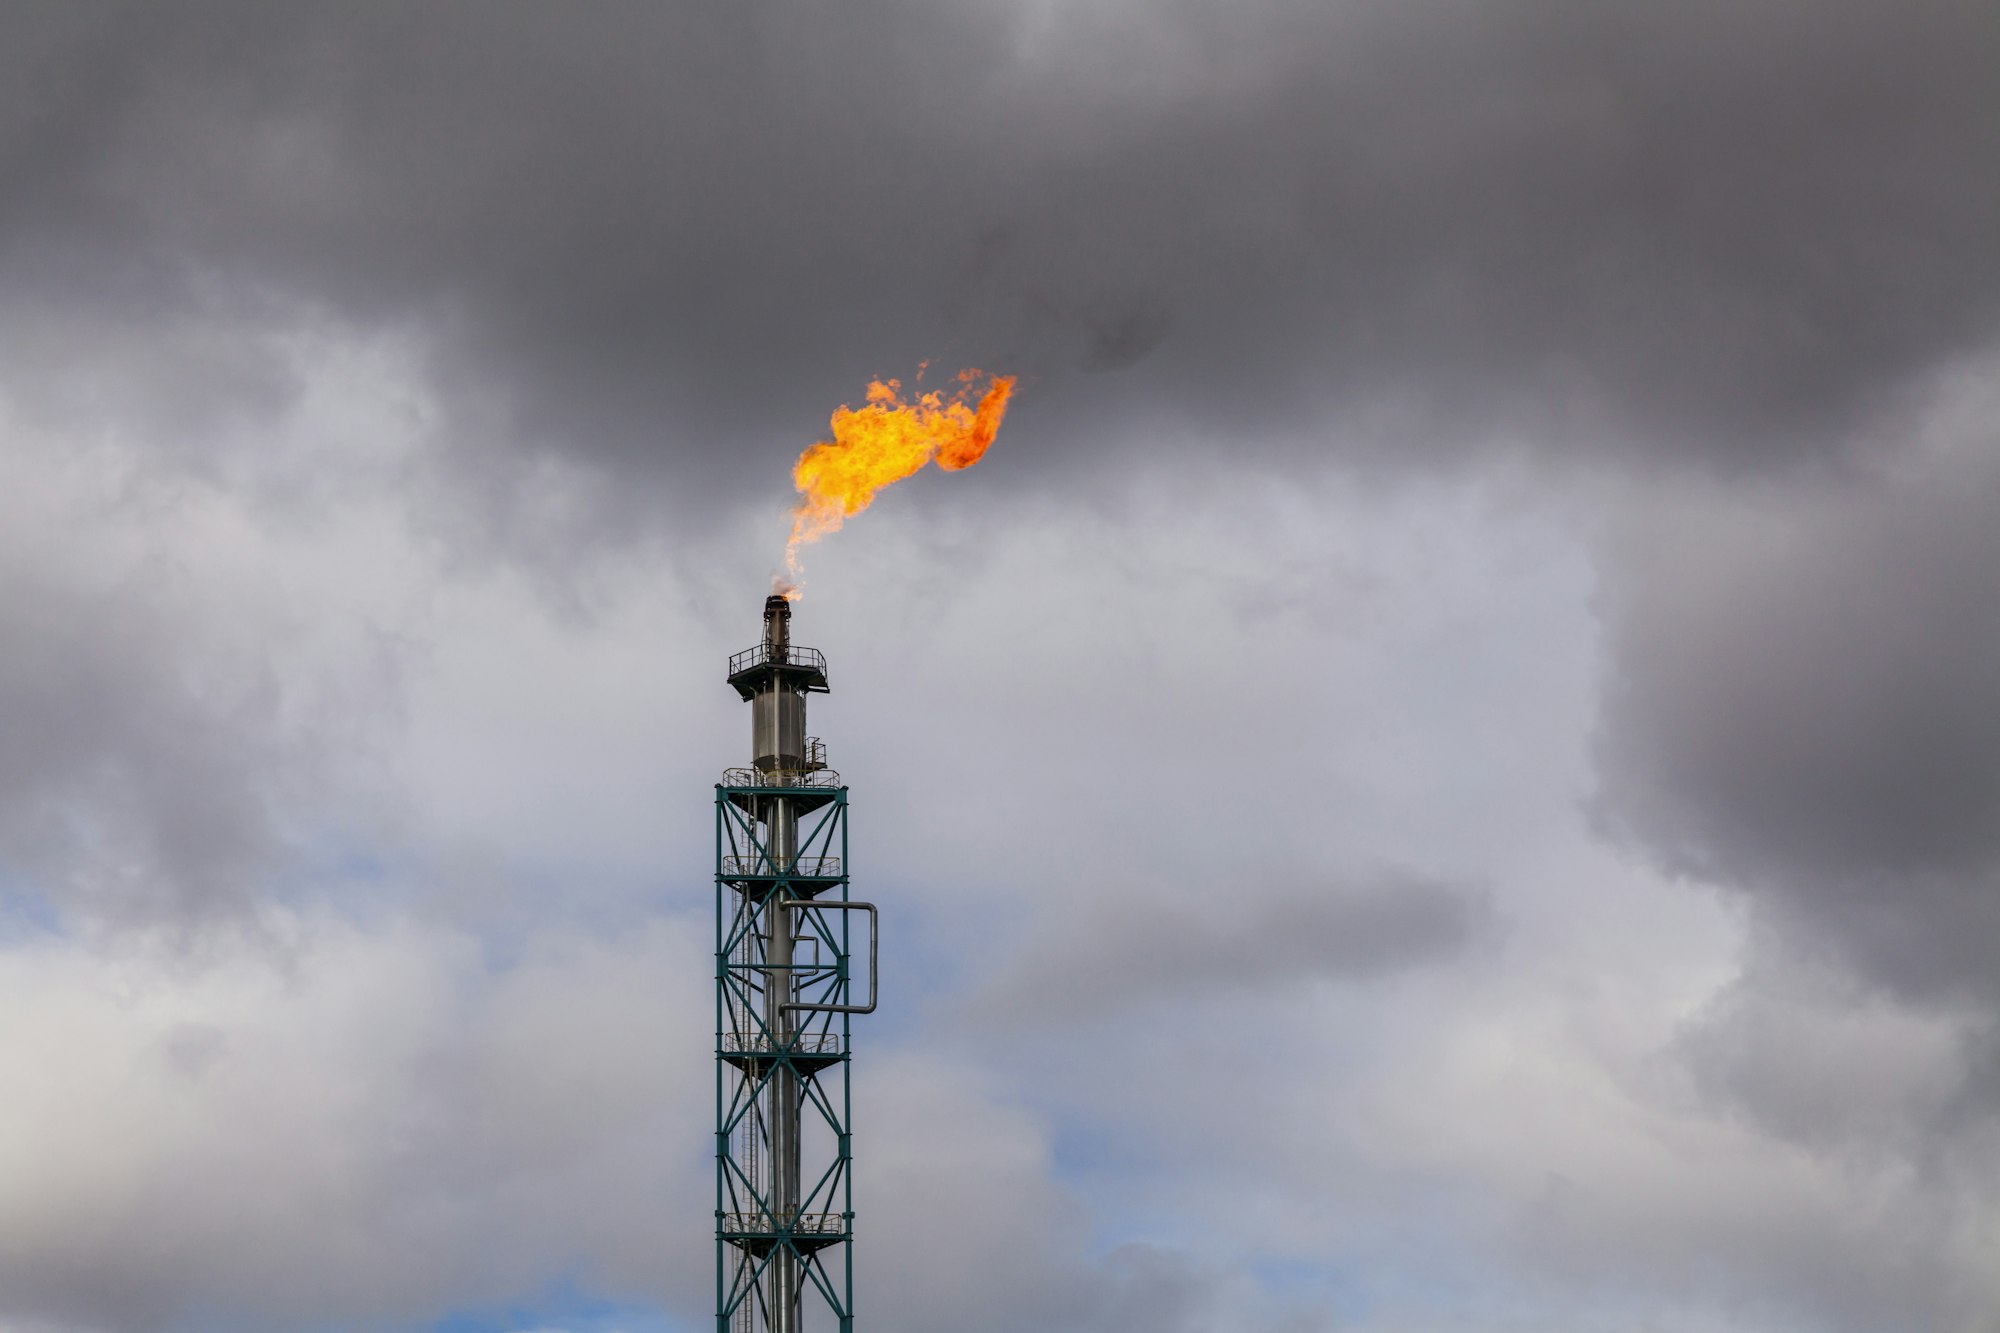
(327, 1121)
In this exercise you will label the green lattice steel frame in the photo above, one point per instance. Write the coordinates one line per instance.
(748, 1054)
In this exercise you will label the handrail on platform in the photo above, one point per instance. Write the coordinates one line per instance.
(780, 777)
(802, 867)
(788, 655)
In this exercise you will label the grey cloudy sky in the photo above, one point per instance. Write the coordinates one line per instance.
(1473, 665)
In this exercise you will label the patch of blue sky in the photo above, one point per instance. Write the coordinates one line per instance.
(365, 880)
(1321, 1284)
(27, 914)
(1091, 1150)
(335, 866)
(564, 1306)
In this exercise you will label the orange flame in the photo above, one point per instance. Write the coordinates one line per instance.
(884, 441)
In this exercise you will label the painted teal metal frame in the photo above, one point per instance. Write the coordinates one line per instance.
(813, 882)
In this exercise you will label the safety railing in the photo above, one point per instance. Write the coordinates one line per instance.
(780, 777)
(799, 1224)
(809, 659)
(802, 867)
(800, 1043)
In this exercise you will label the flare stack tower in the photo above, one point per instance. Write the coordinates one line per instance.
(785, 989)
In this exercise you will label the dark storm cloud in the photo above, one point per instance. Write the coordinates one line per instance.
(1810, 1057)
(668, 238)
(1806, 703)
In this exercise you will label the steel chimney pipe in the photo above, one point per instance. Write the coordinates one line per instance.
(778, 709)
(777, 626)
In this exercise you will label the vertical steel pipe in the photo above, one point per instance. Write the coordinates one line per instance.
(780, 989)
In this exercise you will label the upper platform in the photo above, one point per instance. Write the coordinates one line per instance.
(801, 668)
(806, 788)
